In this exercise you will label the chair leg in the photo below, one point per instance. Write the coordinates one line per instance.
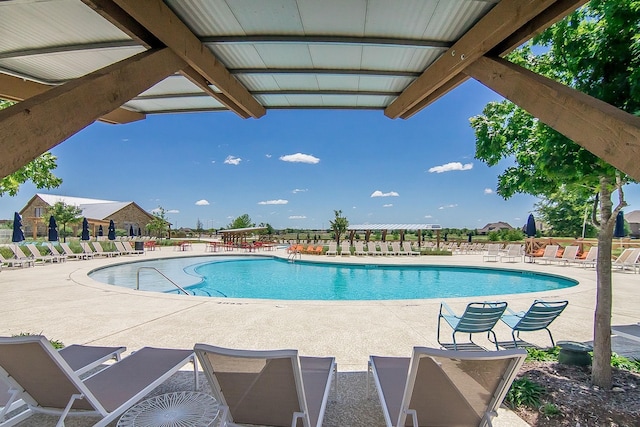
(495, 339)
(455, 345)
(513, 335)
(553, 344)
(438, 331)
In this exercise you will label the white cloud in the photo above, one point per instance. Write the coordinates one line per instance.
(428, 216)
(488, 191)
(453, 166)
(274, 202)
(173, 211)
(232, 160)
(379, 193)
(300, 158)
(300, 190)
(268, 156)
(447, 206)
(202, 202)
(388, 205)
(213, 161)
(297, 217)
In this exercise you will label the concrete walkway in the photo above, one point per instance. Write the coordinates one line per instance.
(63, 303)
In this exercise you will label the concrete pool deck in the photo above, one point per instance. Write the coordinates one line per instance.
(63, 303)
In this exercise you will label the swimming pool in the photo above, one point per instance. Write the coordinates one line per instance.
(274, 278)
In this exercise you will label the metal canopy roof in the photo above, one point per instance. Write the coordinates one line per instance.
(355, 54)
(394, 227)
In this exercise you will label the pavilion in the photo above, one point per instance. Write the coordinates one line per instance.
(72, 62)
(402, 228)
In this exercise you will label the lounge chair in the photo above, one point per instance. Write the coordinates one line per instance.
(12, 262)
(630, 332)
(120, 248)
(87, 249)
(477, 317)
(372, 249)
(333, 249)
(80, 358)
(384, 248)
(590, 259)
(359, 248)
(538, 317)
(37, 256)
(627, 259)
(132, 250)
(395, 249)
(70, 254)
(318, 250)
(550, 254)
(444, 387)
(99, 250)
(513, 254)
(569, 255)
(49, 384)
(493, 252)
(345, 248)
(58, 257)
(406, 246)
(268, 388)
(20, 256)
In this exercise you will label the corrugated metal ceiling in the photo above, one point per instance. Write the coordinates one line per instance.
(375, 50)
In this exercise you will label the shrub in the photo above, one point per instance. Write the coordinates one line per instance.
(524, 392)
(543, 355)
(55, 343)
(622, 362)
(550, 410)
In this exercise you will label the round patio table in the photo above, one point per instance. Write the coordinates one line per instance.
(184, 408)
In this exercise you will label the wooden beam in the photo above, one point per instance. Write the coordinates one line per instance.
(16, 89)
(604, 130)
(498, 24)
(203, 84)
(159, 20)
(31, 127)
(537, 25)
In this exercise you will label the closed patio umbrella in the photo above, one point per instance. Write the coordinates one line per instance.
(100, 231)
(18, 235)
(139, 231)
(531, 226)
(53, 229)
(85, 229)
(112, 231)
(619, 230)
(131, 231)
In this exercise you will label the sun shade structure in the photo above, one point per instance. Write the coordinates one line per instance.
(72, 62)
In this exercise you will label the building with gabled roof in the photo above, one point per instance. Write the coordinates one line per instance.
(125, 215)
(494, 226)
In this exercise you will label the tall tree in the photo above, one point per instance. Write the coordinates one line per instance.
(160, 222)
(597, 51)
(243, 221)
(65, 214)
(567, 213)
(38, 171)
(339, 225)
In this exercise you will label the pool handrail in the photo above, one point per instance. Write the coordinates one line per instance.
(161, 273)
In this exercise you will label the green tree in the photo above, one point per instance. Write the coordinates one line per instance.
(597, 51)
(243, 221)
(565, 211)
(338, 225)
(160, 223)
(269, 229)
(37, 171)
(65, 214)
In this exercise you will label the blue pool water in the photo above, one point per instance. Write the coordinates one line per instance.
(271, 278)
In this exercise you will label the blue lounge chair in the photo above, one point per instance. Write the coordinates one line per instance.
(477, 317)
(539, 316)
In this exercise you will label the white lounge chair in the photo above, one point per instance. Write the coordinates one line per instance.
(12, 262)
(359, 248)
(99, 250)
(493, 252)
(590, 260)
(121, 249)
(20, 256)
(48, 384)
(70, 254)
(333, 249)
(87, 249)
(58, 257)
(372, 249)
(345, 248)
(37, 256)
(513, 254)
(80, 358)
(406, 246)
(444, 387)
(395, 249)
(268, 388)
(550, 254)
(627, 259)
(384, 248)
(128, 247)
(568, 255)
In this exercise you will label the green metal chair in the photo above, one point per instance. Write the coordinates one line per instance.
(477, 317)
(538, 317)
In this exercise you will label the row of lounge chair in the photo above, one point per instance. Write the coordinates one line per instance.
(373, 249)
(89, 251)
(483, 316)
(269, 388)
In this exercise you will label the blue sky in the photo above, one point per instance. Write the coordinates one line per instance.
(293, 168)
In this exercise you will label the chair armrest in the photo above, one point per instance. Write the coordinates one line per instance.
(513, 313)
(447, 308)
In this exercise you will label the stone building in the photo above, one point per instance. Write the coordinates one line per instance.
(494, 226)
(125, 215)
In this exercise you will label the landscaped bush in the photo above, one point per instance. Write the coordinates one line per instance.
(524, 392)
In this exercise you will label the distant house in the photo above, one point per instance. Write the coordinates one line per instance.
(633, 218)
(125, 215)
(494, 226)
